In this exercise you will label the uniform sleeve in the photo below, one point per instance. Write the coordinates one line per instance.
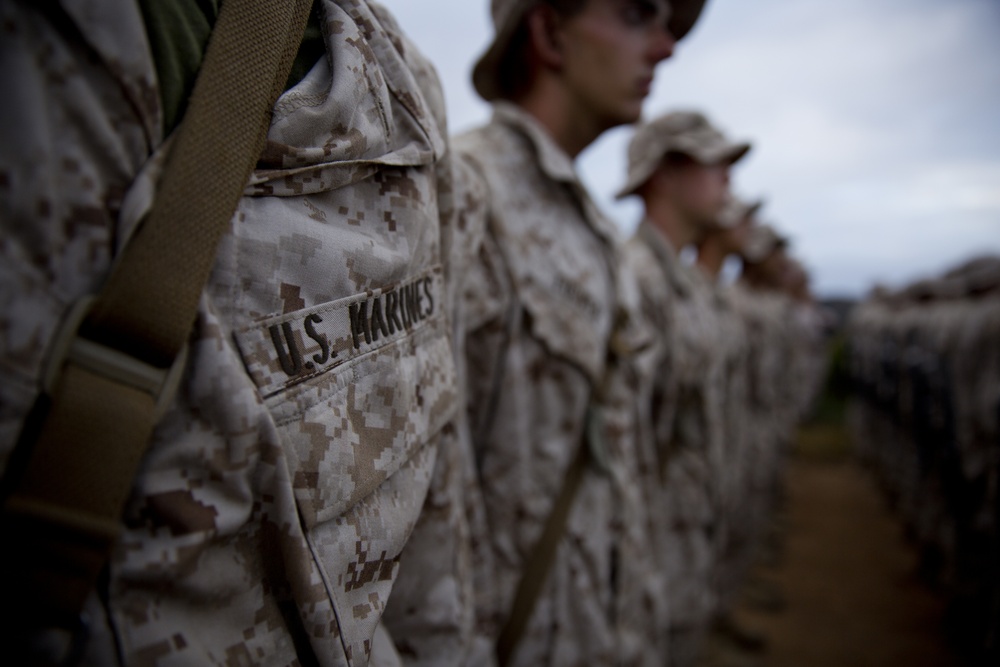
(431, 612)
(486, 298)
(659, 389)
(71, 141)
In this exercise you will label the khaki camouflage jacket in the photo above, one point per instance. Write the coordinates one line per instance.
(772, 389)
(543, 306)
(722, 341)
(318, 411)
(732, 353)
(683, 396)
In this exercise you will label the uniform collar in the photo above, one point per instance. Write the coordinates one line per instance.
(706, 284)
(557, 165)
(552, 159)
(665, 253)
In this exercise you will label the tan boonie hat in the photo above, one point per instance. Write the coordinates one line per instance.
(507, 16)
(761, 242)
(736, 210)
(685, 132)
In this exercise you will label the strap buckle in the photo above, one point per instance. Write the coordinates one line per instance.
(57, 645)
(69, 347)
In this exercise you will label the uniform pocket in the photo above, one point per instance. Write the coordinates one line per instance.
(575, 328)
(355, 387)
(360, 390)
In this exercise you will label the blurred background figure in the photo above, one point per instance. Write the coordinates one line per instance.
(893, 141)
(679, 167)
(552, 331)
(925, 361)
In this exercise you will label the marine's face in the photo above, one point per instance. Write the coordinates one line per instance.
(611, 49)
(701, 190)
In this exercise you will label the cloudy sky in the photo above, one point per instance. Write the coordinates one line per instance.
(875, 123)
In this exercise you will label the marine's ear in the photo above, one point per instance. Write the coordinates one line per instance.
(545, 32)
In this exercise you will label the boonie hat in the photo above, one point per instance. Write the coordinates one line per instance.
(761, 242)
(736, 210)
(685, 132)
(507, 16)
(981, 274)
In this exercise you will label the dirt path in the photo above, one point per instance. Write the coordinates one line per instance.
(847, 578)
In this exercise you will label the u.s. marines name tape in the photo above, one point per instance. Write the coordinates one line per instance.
(282, 351)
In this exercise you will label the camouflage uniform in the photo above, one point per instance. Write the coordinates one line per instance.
(768, 388)
(642, 606)
(543, 307)
(778, 353)
(652, 262)
(927, 418)
(684, 402)
(319, 408)
(683, 399)
(734, 464)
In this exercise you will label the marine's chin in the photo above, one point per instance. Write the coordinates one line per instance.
(628, 114)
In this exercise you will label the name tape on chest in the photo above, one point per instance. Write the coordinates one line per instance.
(283, 351)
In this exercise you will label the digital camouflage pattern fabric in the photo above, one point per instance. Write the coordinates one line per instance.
(318, 414)
(543, 308)
(732, 461)
(692, 400)
(683, 401)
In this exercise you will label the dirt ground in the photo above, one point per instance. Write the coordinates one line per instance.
(846, 580)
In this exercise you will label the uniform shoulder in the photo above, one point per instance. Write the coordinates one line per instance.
(487, 142)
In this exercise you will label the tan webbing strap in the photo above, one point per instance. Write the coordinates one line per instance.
(536, 570)
(62, 515)
(151, 296)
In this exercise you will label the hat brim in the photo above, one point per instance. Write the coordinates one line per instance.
(754, 207)
(486, 72)
(684, 14)
(735, 153)
(636, 180)
(728, 154)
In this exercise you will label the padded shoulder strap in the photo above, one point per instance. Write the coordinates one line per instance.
(119, 355)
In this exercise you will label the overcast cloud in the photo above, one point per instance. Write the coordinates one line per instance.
(875, 123)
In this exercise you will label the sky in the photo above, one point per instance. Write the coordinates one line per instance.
(875, 124)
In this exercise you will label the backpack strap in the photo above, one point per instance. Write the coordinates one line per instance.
(119, 357)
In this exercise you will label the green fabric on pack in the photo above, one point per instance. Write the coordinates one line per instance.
(311, 50)
(178, 33)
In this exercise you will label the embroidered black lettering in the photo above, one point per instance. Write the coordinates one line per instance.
(392, 312)
(324, 345)
(415, 315)
(430, 299)
(378, 321)
(290, 358)
(418, 301)
(411, 303)
(360, 325)
(404, 307)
